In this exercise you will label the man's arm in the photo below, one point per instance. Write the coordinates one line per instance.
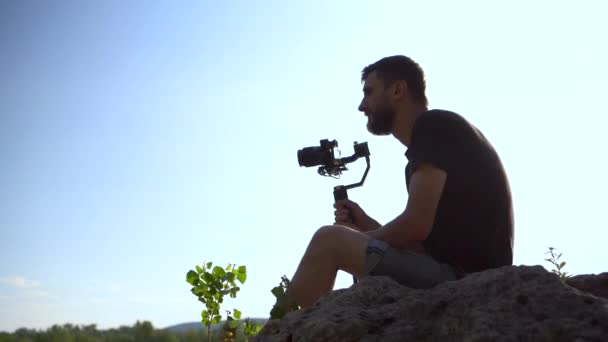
(416, 222)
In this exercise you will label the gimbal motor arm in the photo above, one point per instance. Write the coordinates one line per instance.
(340, 191)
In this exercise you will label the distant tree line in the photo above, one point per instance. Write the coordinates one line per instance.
(142, 331)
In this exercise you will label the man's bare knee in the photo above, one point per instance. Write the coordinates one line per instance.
(327, 239)
(330, 235)
(320, 241)
(324, 233)
(343, 246)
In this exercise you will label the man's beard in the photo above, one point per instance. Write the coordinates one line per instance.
(380, 122)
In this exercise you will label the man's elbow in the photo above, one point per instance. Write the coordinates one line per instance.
(403, 232)
(412, 235)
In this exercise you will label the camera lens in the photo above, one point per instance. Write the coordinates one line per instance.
(311, 156)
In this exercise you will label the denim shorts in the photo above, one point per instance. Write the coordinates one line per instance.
(408, 268)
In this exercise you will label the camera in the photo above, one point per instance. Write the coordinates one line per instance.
(324, 156)
(318, 155)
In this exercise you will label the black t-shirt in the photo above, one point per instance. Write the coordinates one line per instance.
(473, 228)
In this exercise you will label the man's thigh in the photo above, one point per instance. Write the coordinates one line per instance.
(415, 270)
(348, 247)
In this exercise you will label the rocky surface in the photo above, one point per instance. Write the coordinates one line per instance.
(592, 283)
(513, 303)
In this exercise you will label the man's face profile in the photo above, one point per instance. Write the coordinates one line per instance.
(375, 105)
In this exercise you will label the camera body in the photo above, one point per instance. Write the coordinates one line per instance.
(324, 155)
(318, 155)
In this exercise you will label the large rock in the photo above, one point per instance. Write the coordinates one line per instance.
(595, 284)
(513, 303)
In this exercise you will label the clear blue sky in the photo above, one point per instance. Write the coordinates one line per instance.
(138, 140)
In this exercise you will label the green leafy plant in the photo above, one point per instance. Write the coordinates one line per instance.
(554, 259)
(280, 308)
(250, 328)
(210, 285)
(231, 325)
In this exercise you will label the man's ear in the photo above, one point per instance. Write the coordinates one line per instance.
(400, 90)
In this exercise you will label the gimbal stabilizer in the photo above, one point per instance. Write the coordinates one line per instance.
(330, 166)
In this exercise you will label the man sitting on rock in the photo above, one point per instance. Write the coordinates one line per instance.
(458, 218)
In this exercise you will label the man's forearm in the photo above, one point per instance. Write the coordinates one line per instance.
(373, 225)
(398, 233)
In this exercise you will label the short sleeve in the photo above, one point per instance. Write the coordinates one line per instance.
(432, 141)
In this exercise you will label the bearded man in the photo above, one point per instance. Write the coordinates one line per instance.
(458, 218)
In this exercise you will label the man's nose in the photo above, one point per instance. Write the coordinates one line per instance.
(362, 106)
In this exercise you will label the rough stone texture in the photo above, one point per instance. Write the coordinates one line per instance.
(595, 284)
(513, 303)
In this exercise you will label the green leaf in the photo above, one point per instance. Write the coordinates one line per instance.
(562, 264)
(229, 267)
(205, 316)
(230, 277)
(278, 291)
(216, 319)
(198, 291)
(277, 312)
(218, 285)
(209, 264)
(242, 274)
(233, 324)
(192, 278)
(219, 272)
(237, 314)
(214, 306)
(243, 269)
(208, 277)
(199, 269)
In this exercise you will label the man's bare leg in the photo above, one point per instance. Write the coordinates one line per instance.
(331, 248)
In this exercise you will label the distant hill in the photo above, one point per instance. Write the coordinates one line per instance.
(183, 327)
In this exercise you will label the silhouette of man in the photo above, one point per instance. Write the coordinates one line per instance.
(458, 217)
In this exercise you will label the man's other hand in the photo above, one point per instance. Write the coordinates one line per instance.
(350, 214)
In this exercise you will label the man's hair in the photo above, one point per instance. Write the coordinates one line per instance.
(395, 68)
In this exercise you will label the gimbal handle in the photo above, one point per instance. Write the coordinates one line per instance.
(340, 191)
